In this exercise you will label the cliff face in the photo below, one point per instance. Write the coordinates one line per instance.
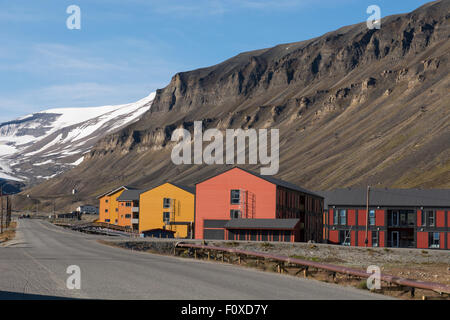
(354, 106)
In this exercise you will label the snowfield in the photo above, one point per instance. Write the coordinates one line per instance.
(55, 140)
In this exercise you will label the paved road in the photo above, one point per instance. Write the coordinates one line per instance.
(34, 266)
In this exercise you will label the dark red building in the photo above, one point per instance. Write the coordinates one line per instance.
(242, 205)
(405, 218)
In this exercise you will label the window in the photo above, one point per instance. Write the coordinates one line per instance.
(287, 236)
(166, 203)
(343, 217)
(166, 217)
(276, 235)
(431, 218)
(106, 200)
(345, 237)
(235, 196)
(336, 216)
(128, 204)
(107, 220)
(117, 209)
(394, 218)
(372, 217)
(375, 235)
(106, 210)
(403, 218)
(235, 214)
(434, 238)
(128, 216)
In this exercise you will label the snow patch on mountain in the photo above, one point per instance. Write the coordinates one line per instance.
(41, 145)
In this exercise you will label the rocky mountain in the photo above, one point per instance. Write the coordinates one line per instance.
(42, 145)
(354, 107)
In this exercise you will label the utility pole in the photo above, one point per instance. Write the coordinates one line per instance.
(366, 241)
(1, 219)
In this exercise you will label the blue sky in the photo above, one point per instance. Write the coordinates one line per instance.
(129, 48)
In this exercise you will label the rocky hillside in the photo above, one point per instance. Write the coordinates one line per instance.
(354, 107)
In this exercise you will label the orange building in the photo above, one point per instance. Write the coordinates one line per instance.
(129, 209)
(109, 207)
(168, 207)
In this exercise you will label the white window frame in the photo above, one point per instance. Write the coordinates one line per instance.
(345, 217)
(374, 218)
(232, 199)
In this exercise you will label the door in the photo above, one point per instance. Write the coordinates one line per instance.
(395, 239)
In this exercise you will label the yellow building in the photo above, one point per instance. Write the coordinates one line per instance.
(169, 207)
(109, 207)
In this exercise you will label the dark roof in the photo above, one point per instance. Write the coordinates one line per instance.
(270, 179)
(284, 224)
(388, 197)
(130, 195)
(113, 191)
(185, 188)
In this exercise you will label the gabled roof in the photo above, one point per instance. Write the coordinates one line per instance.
(183, 187)
(114, 191)
(130, 195)
(388, 197)
(281, 224)
(270, 179)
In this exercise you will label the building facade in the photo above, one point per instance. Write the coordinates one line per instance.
(168, 207)
(88, 209)
(109, 207)
(128, 203)
(399, 218)
(240, 204)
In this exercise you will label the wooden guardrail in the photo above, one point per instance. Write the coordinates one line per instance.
(413, 284)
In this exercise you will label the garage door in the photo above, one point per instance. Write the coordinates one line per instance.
(214, 234)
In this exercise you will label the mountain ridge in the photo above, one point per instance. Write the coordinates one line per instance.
(41, 145)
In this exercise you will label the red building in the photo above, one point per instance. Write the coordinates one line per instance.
(241, 205)
(405, 218)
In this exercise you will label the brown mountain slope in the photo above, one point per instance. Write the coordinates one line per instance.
(354, 107)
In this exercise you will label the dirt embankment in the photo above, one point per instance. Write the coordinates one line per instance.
(8, 233)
